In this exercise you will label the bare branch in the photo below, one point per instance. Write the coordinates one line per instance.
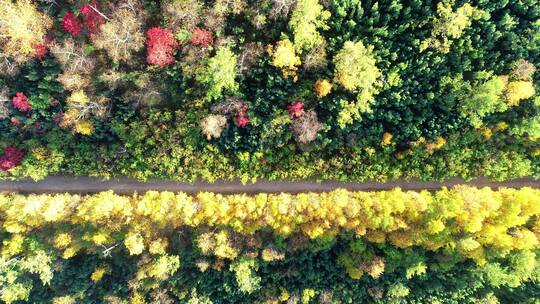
(100, 13)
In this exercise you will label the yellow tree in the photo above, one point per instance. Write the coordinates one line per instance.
(519, 90)
(355, 66)
(322, 87)
(307, 18)
(80, 108)
(22, 27)
(284, 57)
(449, 25)
(356, 71)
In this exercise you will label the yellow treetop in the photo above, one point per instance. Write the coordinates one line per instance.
(386, 139)
(307, 17)
(285, 58)
(463, 219)
(322, 87)
(22, 27)
(517, 91)
(355, 66)
(449, 25)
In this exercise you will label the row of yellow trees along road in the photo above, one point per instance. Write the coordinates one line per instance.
(155, 233)
(463, 220)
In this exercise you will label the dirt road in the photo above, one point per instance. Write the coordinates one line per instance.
(127, 186)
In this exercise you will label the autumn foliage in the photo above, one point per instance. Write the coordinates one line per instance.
(20, 102)
(91, 18)
(11, 158)
(285, 57)
(296, 109)
(122, 35)
(72, 24)
(161, 45)
(338, 90)
(322, 87)
(40, 50)
(201, 37)
(241, 119)
(143, 242)
(465, 221)
(22, 27)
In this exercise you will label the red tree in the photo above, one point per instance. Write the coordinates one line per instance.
(201, 37)
(296, 109)
(91, 18)
(71, 24)
(40, 50)
(20, 102)
(241, 118)
(161, 45)
(12, 158)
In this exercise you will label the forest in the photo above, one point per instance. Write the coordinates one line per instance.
(344, 90)
(240, 91)
(459, 245)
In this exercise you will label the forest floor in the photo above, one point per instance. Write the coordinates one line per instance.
(129, 186)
